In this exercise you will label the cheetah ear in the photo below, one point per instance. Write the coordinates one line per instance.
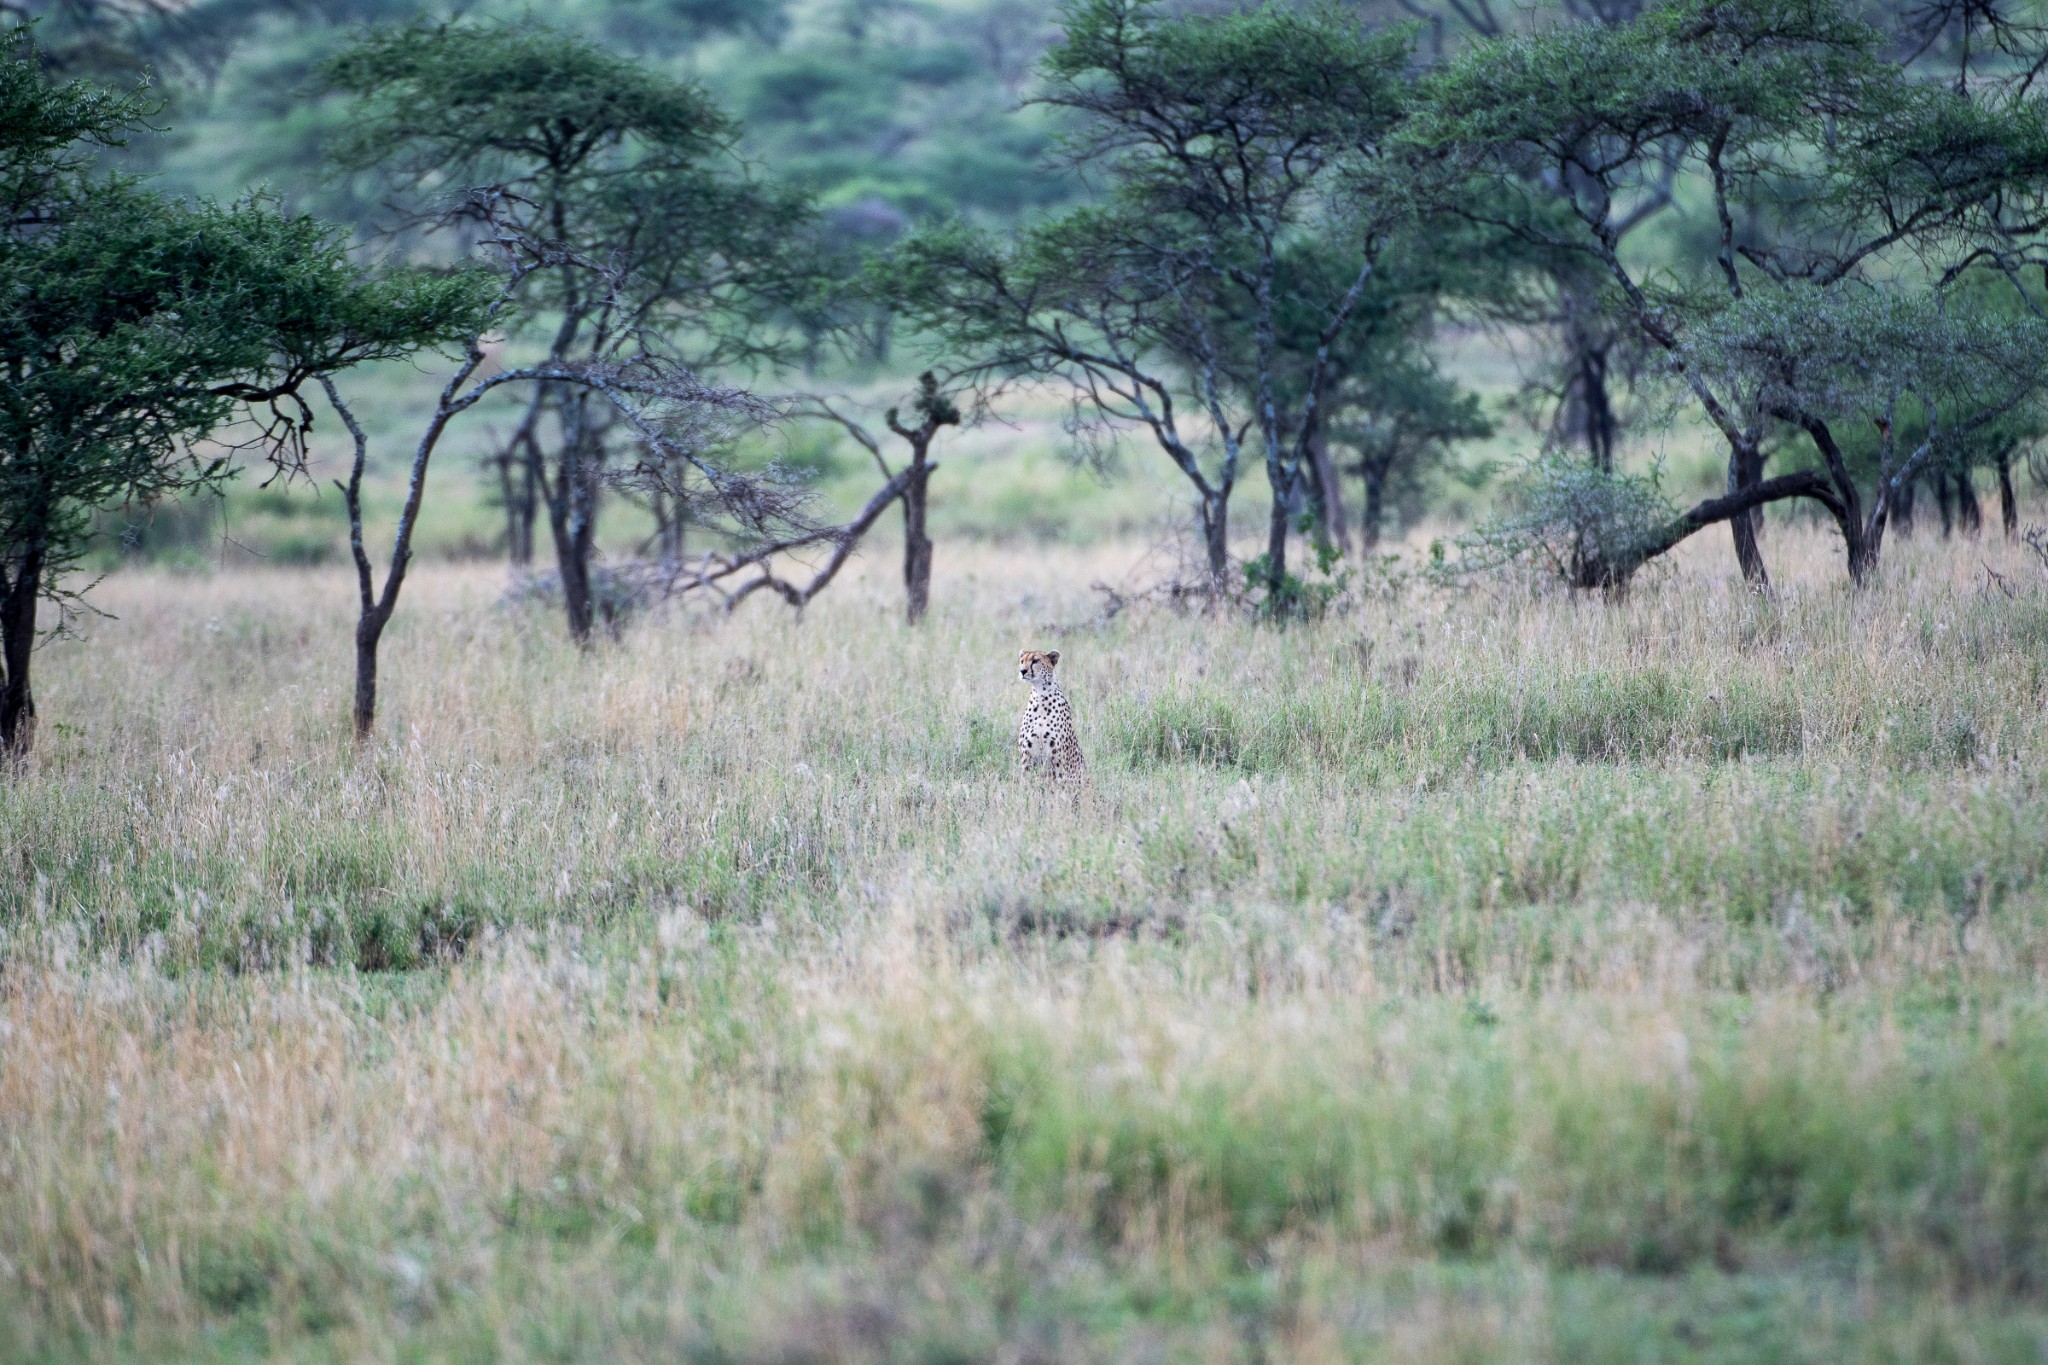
(1052, 656)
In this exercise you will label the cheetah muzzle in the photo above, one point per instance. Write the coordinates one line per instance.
(1045, 740)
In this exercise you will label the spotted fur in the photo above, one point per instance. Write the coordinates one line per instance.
(1045, 740)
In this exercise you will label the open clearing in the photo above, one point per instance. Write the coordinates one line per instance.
(1463, 976)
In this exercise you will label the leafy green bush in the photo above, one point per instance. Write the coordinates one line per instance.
(1570, 520)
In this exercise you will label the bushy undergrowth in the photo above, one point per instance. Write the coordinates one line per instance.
(1466, 976)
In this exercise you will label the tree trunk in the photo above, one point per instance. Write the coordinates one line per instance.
(17, 646)
(1213, 511)
(1967, 507)
(1331, 527)
(573, 566)
(1613, 575)
(1860, 539)
(1596, 408)
(674, 534)
(1370, 521)
(917, 545)
(516, 474)
(509, 495)
(1745, 471)
(572, 518)
(1276, 548)
(528, 505)
(1589, 411)
(1861, 549)
(369, 631)
(1869, 543)
(2008, 502)
(1943, 496)
(670, 518)
(1902, 508)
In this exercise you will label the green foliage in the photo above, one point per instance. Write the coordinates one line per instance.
(1585, 526)
(1857, 354)
(1233, 273)
(134, 326)
(138, 324)
(521, 103)
(1222, 132)
(1865, 195)
(1405, 419)
(891, 130)
(1286, 596)
(629, 172)
(656, 229)
(46, 129)
(1248, 83)
(1680, 72)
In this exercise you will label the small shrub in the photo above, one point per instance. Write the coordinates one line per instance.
(1581, 525)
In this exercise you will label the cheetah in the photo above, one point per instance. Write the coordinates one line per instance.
(1045, 740)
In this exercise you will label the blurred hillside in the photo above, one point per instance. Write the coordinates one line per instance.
(888, 110)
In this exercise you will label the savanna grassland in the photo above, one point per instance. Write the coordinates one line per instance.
(1471, 974)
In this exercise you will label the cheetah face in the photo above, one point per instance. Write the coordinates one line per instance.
(1035, 667)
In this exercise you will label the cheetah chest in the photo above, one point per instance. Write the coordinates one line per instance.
(1045, 740)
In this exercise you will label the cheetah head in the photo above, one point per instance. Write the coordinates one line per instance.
(1036, 668)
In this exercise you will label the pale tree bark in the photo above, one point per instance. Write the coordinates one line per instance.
(845, 539)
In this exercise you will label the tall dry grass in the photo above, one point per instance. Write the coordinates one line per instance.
(1468, 975)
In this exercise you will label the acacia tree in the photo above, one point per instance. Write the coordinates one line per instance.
(1594, 354)
(660, 247)
(1226, 139)
(932, 408)
(1384, 401)
(670, 410)
(1402, 418)
(1241, 135)
(1998, 55)
(1949, 472)
(1929, 382)
(1056, 306)
(1791, 114)
(134, 326)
